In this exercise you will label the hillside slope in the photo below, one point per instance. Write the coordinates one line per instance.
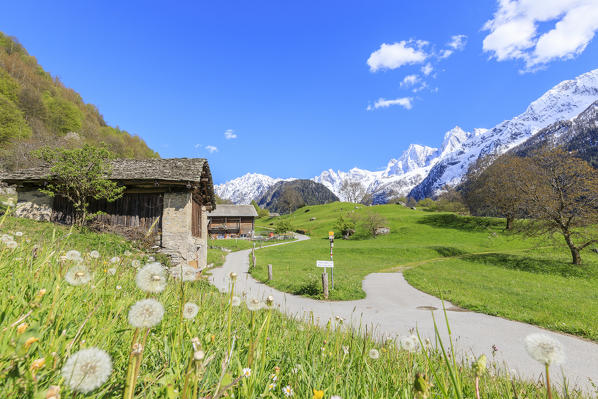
(36, 109)
(290, 195)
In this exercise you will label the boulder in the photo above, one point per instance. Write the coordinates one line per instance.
(380, 231)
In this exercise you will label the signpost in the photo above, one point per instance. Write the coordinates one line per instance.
(331, 238)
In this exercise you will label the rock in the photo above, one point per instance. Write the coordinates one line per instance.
(595, 250)
(312, 219)
(380, 231)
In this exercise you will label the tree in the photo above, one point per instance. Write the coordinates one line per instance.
(560, 194)
(282, 226)
(260, 212)
(79, 175)
(489, 189)
(371, 222)
(346, 225)
(290, 200)
(352, 191)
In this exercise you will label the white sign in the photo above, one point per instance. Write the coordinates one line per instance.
(324, 263)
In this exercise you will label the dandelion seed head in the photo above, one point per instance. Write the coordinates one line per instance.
(146, 313)
(111, 271)
(73, 255)
(114, 259)
(254, 304)
(87, 370)
(186, 272)
(78, 275)
(236, 301)
(410, 343)
(94, 254)
(19, 234)
(151, 278)
(190, 310)
(11, 244)
(151, 259)
(135, 263)
(270, 300)
(6, 237)
(233, 276)
(544, 349)
(374, 354)
(199, 355)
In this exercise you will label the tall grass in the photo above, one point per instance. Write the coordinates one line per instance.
(224, 350)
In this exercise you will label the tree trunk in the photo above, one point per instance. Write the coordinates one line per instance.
(510, 220)
(576, 257)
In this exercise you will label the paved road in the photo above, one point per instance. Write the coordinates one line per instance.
(392, 308)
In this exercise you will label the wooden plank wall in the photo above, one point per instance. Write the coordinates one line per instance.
(131, 210)
(195, 217)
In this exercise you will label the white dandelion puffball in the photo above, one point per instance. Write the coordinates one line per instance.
(146, 313)
(151, 259)
(236, 301)
(188, 273)
(19, 234)
(73, 255)
(544, 349)
(94, 254)
(127, 253)
(335, 397)
(254, 304)
(374, 354)
(410, 343)
(151, 278)
(115, 259)
(112, 271)
(87, 370)
(78, 275)
(11, 244)
(6, 237)
(135, 263)
(190, 310)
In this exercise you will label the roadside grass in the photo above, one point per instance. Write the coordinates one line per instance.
(234, 244)
(469, 261)
(44, 321)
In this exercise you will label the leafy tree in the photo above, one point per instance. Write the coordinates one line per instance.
(12, 124)
(282, 226)
(560, 194)
(260, 212)
(346, 225)
(79, 175)
(371, 222)
(64, 116)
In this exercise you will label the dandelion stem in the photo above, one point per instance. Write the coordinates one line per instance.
(548, 390)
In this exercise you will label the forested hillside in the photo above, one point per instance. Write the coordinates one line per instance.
(36, 109)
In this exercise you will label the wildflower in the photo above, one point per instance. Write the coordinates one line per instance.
(19, 234)
(479, 366)
(288, 391)
(271, 386)
(190, 310)
(233, 276)
(118, 287)
(87, 369)
(339, 319)
(111, 271)
(410, 343)
(135, 263)
(318, 394)
(246, 372)
(22, 327)
(6, 237)
(199, 355)
(236, 301)
(53, 392)
(115, 259)
(273, 377)
(78, 275)
(151, 278)
(270, 301)
(146, 313)
(373, 354)
(94, 254)
(30, 341)
(37, 364)
(544, 349)
(253, 305)
(11, 244)
(73, 255)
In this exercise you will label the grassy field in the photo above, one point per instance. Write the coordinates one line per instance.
(45, 321)
(467, 260)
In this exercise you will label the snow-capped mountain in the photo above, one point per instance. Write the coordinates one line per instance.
(244, 189)
(563, 102)
(423, 171)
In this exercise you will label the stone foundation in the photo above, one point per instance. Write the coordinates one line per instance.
(34, 205)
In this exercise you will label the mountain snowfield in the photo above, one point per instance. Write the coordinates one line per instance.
(423, 171)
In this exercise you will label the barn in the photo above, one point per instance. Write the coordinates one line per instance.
(230, 221)
(171, 196)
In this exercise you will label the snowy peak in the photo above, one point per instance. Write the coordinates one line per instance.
(453, 140)
(416, 156)
(246, 188)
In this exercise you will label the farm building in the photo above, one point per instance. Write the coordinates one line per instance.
(171, 196)
(229, 221)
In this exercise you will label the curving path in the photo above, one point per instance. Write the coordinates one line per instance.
(393, 308)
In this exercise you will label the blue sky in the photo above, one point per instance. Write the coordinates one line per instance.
(307, 85)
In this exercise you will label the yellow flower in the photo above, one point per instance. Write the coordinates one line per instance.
(30, 341)
(318, 394)
(22, 327)
(37, 364)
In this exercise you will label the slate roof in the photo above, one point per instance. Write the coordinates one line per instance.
(233, 210)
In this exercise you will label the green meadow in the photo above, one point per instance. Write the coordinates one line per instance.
(469, 261)
(224, 350)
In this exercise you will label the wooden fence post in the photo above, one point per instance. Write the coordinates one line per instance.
(269, 272)
(325, 284)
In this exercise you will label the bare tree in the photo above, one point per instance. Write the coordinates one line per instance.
(372, 221)
(352, 191)
(290, 200)
(560, 193)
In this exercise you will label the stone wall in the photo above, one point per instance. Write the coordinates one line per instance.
(176, 230)
(34, 205)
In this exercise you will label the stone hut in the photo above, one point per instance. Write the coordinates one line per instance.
(170, 196)
(230, 221)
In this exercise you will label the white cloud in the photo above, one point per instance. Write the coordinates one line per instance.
(393, 56)
(427, 69)
(404, 102)
(410, 80)
(230, 134)
(422, 86)
(211, 149)
(445, 53)
(514, 30)
(457, 42)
